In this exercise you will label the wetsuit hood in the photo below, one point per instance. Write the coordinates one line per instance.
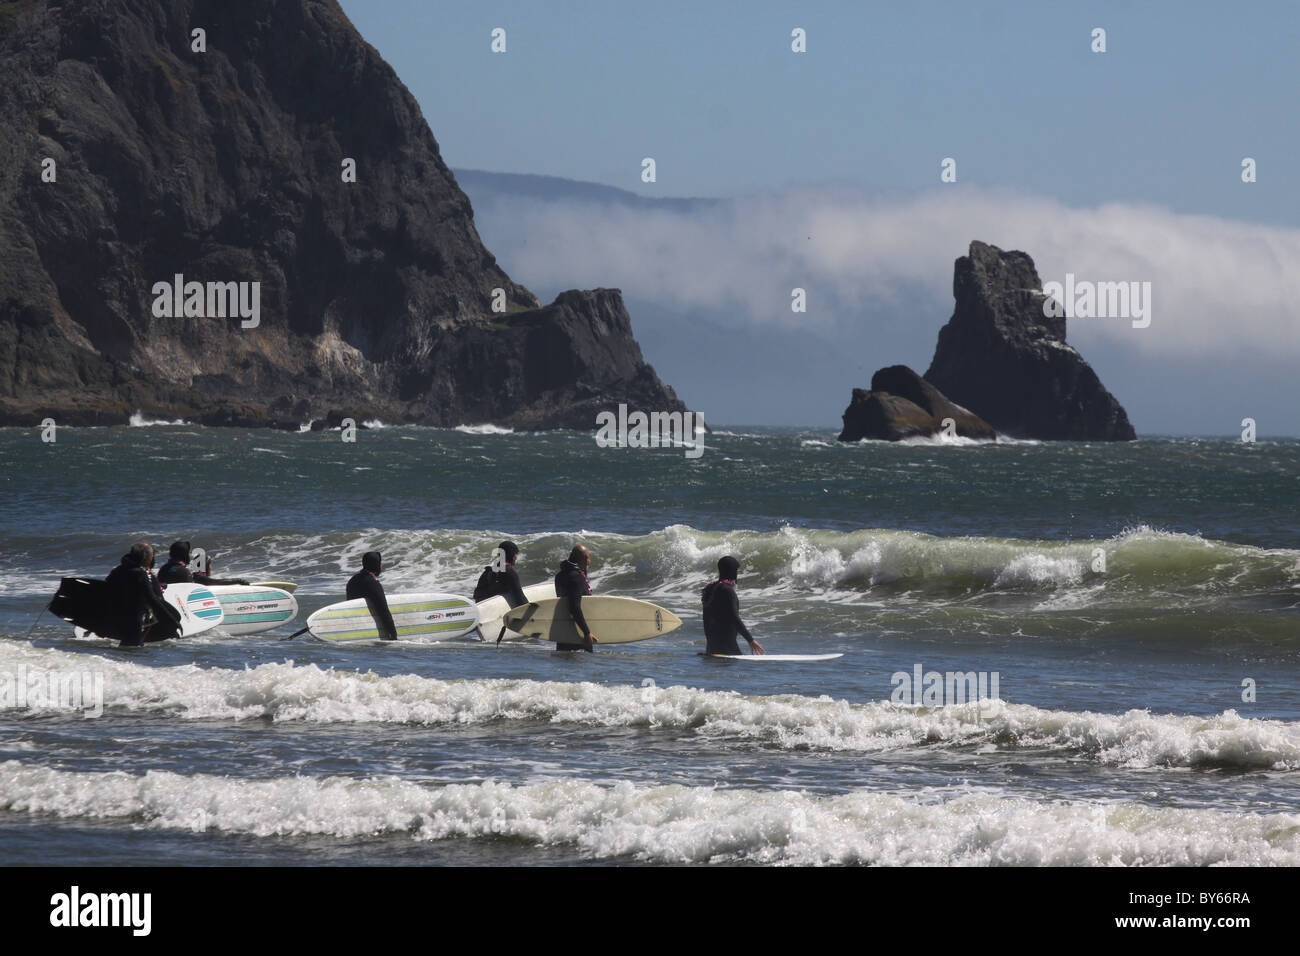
(728, 568)
(372, 561)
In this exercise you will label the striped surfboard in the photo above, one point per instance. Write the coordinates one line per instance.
(419, 616)
(251, 608)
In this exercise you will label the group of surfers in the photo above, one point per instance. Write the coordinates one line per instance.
(136, 602)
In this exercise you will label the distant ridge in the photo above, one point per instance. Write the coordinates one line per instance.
(558, 189)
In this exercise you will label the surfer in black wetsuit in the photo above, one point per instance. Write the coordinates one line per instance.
(571, 584)
(136, 609)
(177, 569)
(504, 582)
(365, 584)
(722, 612)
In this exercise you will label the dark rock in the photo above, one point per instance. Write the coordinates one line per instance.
(901, 405)
(887, 417)
(1002, 358)
(376, 296)
(902, 381)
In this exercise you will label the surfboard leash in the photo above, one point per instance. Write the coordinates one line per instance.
(28, 636)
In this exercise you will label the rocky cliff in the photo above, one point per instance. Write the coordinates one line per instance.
(1000, 356)
(135, 150)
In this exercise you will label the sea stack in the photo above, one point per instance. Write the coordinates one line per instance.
(1000, 356)
(244, 219)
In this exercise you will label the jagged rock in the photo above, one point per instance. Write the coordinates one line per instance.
(376, 296)
(1001, 357)
(902, 405)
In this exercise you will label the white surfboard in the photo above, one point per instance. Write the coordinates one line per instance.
(250, 608)
(418, 616)
(614, 620)
(199, 607)
(289, 586)
(492, 612)
(770, 657)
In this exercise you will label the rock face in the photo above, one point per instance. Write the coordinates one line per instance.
(1001, 357)
(901, 405)
(227, 166)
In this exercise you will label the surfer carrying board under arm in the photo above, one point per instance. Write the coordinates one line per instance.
(501, 578)
(722, 612)
(571, 584)
(135, 602)
(365, 584)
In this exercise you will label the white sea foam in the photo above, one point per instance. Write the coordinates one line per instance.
(138, 420)
(942, 441)
(292, 692)
(1038, 570)
(484, 430)
(955, 826)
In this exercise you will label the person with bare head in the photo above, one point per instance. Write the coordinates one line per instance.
(136, 608)
(571, 586)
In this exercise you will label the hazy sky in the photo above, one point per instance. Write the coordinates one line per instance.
(1123, 165)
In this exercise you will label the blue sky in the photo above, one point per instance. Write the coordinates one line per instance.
(1012, 91)
(1115, 166)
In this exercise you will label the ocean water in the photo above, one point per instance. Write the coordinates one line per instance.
(1137, 604)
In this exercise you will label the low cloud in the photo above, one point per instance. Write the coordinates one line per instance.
(1219, 287)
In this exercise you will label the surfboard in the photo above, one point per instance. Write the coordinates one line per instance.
(199, 607)
(770, 657)
(492, 611)
(614, 620)
(289, 586)
(418, 616)
(250, 608)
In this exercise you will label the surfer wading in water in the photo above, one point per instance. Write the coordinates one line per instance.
(365, 584)
(571, 584)
(136, 608)
(722, 612)
(501, 578)
(177, 569)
